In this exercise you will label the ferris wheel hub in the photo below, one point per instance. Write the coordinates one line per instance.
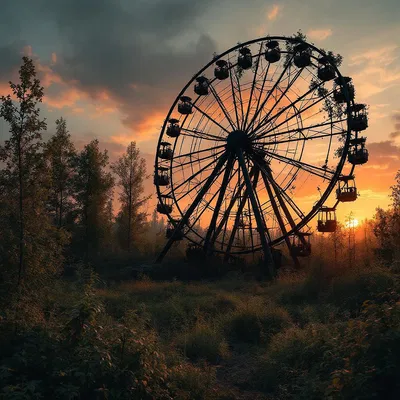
(238, 140)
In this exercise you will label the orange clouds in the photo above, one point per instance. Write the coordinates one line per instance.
(148, 128)
(67, 98)
(376, 70)
(378, 174)
(319, 34)
(273, 12)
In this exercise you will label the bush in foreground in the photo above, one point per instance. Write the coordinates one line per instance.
(359, 359)
(256, 323)
(204, 342)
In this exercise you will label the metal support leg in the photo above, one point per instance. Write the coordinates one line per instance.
(229, 209)
(279, 218)
(237, 218)
(208, 247)
(269, 261)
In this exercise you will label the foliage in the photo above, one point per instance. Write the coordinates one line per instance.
(335, 59)
(290, 44)
(92, 190)
(371, 352)
(350, 291)
(26, 252)
(204, 342)
(191, 382)
(386, 226)
(130, 169)
(60, 154)
(256, 323)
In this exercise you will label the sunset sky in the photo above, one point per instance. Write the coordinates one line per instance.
(112, 68)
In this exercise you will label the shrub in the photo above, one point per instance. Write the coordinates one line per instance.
(348, 292)
(170, 316)
(297, 363)
(297, 289)
(358, 359)
(204, 342)
(257, 323)
(370, 348)
(89, 356)
(189, 382)
(245, 327)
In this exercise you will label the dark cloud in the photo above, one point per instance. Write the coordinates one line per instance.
(128, 49)
(10, 56)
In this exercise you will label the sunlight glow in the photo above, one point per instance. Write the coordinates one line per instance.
(351, 223)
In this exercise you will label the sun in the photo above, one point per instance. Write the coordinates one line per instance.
(352, 223)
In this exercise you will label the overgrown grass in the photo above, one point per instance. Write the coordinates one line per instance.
(321, 334)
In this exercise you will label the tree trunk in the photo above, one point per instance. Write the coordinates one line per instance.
(130, 203)
(21, 215)
(61, 209)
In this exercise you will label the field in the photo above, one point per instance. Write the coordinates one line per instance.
(308, 335)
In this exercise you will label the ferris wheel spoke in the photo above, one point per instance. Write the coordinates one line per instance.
(234, 99)
(289, 85)
(202, 135)
(197, 186)
(286, 108)
(304, 138)
(199, 151)
(261, 92)
(262, 229)
(312, 169)
(240, 101)
(210, 118)
(208, 202)
(194, 204)
(296, 114)
(278, 189)
(222, 106)
(201, 138)
(253, 86)
(198, 160)
(304, 128)
(222, 190)
(180, 184)
(258, 111)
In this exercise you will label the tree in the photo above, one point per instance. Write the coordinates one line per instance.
(395, 195)
(130, 169)
(92, 190)
(337, 239)
(60, 154)
(386, 225)
(20, 153)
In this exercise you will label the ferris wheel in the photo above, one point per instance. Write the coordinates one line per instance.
(254, 146)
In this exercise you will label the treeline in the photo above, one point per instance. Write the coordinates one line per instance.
(56, 203)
